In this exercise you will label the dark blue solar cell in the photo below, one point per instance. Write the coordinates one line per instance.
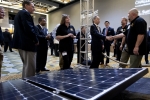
(90, 83)
(84, 96)
(103, 86)
(77, 89)
(90, 92)
(65, 87)
(30, 98)
(39, 96)
(11, 98)
(52, 98)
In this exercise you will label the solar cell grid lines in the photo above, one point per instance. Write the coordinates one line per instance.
(85, 83)
(21, 90)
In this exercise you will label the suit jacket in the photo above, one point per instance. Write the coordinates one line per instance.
(7, 37)
(97, 39)
(110, 32)
(25, 35)
(41, 34)
(1, 36)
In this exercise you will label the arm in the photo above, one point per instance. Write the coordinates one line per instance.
(59, 36)
(114, 42)
(29, 26)
(121, 35)
(93, 32)
(122, 43)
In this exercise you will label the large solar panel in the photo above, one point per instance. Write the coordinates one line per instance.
(20, 90)
(91, 84)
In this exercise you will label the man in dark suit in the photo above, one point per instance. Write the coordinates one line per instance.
(25, 38)
(7, 40)
(43, 36)
(97, 42)
(2, 14)
(108, 31)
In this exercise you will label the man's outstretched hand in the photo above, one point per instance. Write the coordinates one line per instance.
(110, 38)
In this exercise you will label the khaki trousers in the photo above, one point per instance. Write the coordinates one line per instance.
(29, 63)
(135, 60)
(1, 59)
(60, 61)
(124, 57)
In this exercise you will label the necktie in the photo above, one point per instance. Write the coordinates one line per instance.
(98, 28)
(106, 31)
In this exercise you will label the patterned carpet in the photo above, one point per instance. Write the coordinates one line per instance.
(12, 65)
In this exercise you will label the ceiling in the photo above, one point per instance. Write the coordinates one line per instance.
(41, 6)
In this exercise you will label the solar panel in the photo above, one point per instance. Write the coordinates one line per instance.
(20, 90)
(89, 83)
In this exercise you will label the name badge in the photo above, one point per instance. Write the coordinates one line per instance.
(121, 30)
(71, 29)
(64, 53)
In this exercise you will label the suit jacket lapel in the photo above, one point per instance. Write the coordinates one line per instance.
(96, 28)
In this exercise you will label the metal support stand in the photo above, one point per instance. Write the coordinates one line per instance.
(86, 15)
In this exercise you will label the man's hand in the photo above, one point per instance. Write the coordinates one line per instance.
(37, 44)
(109, 38)
(121, 47)
(47, 37)
(136, 50)
(73, 37)
(102, 47)
(70, 35)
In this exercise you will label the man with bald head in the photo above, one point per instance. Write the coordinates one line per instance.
(2, 14)
(135, 38)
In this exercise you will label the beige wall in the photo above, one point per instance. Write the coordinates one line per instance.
(111, 10)
(72, 10)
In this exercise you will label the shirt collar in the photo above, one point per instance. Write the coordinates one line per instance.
(107, 27)
(41, 26)
(96, 25)
(25, 9)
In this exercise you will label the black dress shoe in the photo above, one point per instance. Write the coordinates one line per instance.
(147, 62)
